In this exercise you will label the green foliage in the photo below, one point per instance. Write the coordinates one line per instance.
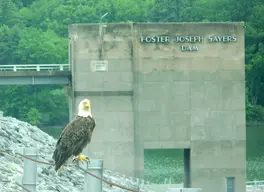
(53, 104)
(35, 31)
(9, 13)
(40, 105)
(255, 112)
(33, 116)
(10, 37)
(37, 46)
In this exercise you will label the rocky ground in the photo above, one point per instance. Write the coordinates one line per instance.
(15, 134)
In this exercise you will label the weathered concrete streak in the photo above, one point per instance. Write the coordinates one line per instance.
(178, 99)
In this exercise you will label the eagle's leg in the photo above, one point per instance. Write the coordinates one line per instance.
(81, 157)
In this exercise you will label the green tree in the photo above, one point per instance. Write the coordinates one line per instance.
(17, 101)
(10, 38)
(9, 14)
(53, 105)
(33, 116)
(37, 46)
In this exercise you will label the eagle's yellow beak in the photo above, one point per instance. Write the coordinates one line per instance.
(87, 105)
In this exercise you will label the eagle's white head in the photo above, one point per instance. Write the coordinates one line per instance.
(84, 109)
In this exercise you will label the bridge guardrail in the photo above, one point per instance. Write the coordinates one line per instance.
(35, 67)
(255, 186)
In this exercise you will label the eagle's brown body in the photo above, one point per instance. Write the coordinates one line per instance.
(74, 138)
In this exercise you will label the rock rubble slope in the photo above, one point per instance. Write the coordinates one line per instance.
(15, 134)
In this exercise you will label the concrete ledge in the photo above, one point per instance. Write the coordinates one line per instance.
(167, 144)
(157, 23)
(103, 93)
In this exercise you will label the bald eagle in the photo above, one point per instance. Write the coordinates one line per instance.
(75, 137)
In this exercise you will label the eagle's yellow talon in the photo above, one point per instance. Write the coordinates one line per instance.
(81, 158)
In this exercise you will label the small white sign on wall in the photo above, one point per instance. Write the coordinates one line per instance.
(99, 65)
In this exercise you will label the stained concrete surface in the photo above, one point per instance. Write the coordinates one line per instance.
(157, 96)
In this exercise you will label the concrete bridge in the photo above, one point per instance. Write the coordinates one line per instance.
(35, 74)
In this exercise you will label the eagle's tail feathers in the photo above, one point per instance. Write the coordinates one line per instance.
(60, 156)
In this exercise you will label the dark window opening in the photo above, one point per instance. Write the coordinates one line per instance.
(230, 184)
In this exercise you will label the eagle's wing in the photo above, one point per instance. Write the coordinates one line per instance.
(73, 139)
(76, 119)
